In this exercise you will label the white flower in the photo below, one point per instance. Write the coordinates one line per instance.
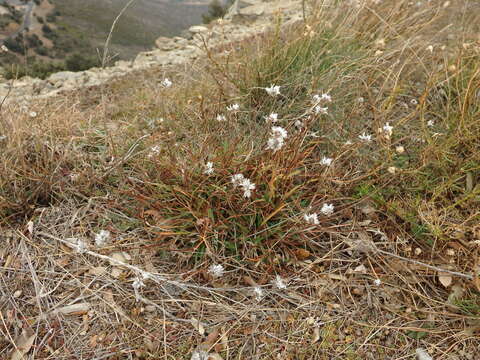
(430, 123)
(348, 142)
(320, 110)
(319, 98)
(200, 355)
(216, 270)
(78, 244)
(327, 209)
(166, 83)
(414, 102)
(233, 107)
(360, 100)
(422, 354)
(138, 283)
(400, 149)
(247, 187)
(326, 161)
(273, 90)
(33, 114)
(277, 138)
(237, 179)
(299, 124)
(377, 282)
(4, 48)
(155, 150)
(365, 137)
(221, 117)
(102, 237)
(208, 168)
(272, 117)
(388, 129)
(311, 218)
(279, 283)
(258, 293)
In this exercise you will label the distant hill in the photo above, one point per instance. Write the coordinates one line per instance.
(142, 23)
(45, 36)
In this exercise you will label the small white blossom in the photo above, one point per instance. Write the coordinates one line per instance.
(221, 117)
(237, 179)
(365, 137)
(327, 209)
(102, 237)
(208, 168)
(166, 83)
(138, 283)
(299, 124)
(200, 355)
(272, 118)
(348, 142)
(388, 129)
(233, 107)
(311, 218)
(273, 90)
(33, 114)
(400, 149)
(3, 48)
(360, 100)
(319, 98)
(377, 282)
(320, 110)
(78, 244)
(155, 150)
(279, 282)
(326, 161)
(247, 187)
(430, 123)
(422, 354)
(258, 293)
(216, 270)
(414, 102)
(277, 138)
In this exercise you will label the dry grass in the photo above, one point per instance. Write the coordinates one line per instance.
(406, 205)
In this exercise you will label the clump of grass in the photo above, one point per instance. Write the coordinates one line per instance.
(374, 146)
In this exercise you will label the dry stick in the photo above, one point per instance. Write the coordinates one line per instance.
(431, 267)
(107, 42)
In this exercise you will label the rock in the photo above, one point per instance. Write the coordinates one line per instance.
(166, 44)
(197, 29)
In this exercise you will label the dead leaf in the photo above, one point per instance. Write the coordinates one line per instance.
(445, 279)
(302, 254)
(316, 335)
(75, 309)
(23, 344)
(198, 326)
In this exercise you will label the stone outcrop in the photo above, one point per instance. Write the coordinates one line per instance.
(254, 18)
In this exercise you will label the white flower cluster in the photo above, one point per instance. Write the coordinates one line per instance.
(166, 83)
(365, 137)
(216, 270)
(233, 107)
(273, 90)
(277, 138)
(154, 150)
(273, 117)
(208, 168)
(238, 180)
(318, 100)
(102, 237)
(327, 210)
(279, 283)
(326, 161)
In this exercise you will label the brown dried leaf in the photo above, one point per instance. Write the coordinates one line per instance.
(23, 344)
(445, 279)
